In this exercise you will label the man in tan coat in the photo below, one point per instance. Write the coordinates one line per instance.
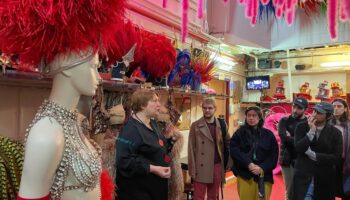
(205, 153)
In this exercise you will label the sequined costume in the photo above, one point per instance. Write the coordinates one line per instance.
(77, 160)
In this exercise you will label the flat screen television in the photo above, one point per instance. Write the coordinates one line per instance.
(258, 82)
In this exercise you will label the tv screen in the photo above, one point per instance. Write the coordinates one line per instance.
(258, 82)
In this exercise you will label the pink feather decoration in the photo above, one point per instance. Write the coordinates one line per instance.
(164, 3)
(184, 31)
(200, 9)
(346, 5)
(275, 2)
(290, 16)
(265, 2)
(289, 4)
(279, 12)
(225, 1)
(241, 1)
(249, 9)
(332, 14)
(255, 7)
(342, 15)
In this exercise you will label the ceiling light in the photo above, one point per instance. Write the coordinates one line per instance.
(335, 64)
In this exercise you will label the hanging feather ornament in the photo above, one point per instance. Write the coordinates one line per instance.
(39, 30)
(184, 30)
(332, 13)
(200, 9)
(164, 4)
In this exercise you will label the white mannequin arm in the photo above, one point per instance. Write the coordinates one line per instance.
(43, 153)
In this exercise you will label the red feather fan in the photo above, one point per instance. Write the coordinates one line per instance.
(158, 54)
(40, 29)
(125, 37)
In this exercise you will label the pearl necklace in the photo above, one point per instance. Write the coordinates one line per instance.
(84, 164)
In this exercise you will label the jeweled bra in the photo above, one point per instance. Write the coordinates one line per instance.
(77, 157)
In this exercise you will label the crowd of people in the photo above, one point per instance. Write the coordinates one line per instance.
(313, 153)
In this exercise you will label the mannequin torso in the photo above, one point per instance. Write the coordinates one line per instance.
(58, 158)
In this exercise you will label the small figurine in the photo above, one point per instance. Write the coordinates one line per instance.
(337, 91)
(323, 92)
(279, 93)
(304, 91)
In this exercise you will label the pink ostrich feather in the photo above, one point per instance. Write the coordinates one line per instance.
(249, 9)
(342, 15)
(332, 14)
(279, 12)
(255, 7)
(164, 3)
(200, 9)
(184, 31)
(241, 2)
(289, 4)
(346, 7)
(290, 16)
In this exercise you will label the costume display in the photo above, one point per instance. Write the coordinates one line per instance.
(77, 158)
(61, 39)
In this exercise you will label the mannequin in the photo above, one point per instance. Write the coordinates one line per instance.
(47, 141)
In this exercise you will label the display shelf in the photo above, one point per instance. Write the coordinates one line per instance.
(35, 79)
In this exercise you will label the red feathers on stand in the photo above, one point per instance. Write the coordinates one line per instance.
(158, 54)
(107, 186)
(125, 37)
(41, 29)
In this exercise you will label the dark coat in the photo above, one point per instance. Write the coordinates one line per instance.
(328, 149)
(137, 148)
(241, 149)
(287, 150)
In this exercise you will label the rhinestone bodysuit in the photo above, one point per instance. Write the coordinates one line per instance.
(77, 160)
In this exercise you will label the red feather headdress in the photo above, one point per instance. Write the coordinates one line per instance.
(38, 30)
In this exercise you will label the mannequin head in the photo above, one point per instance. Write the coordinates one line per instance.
(74, 73)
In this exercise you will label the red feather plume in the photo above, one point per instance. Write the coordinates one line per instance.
(159, 55)
(41, 29)
(107, 186)
(203, 66)
(125, 37)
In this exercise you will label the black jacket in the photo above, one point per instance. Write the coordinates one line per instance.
(287, 150)
(137, 148)
(242, 146)
(328, 149)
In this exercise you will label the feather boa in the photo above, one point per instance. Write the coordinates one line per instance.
(40, 29)
(184, 31)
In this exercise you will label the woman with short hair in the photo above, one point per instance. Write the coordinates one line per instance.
(142, 152)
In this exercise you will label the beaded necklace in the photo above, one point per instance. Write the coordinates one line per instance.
(84, 164)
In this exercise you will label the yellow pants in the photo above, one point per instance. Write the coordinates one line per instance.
(248, 189)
